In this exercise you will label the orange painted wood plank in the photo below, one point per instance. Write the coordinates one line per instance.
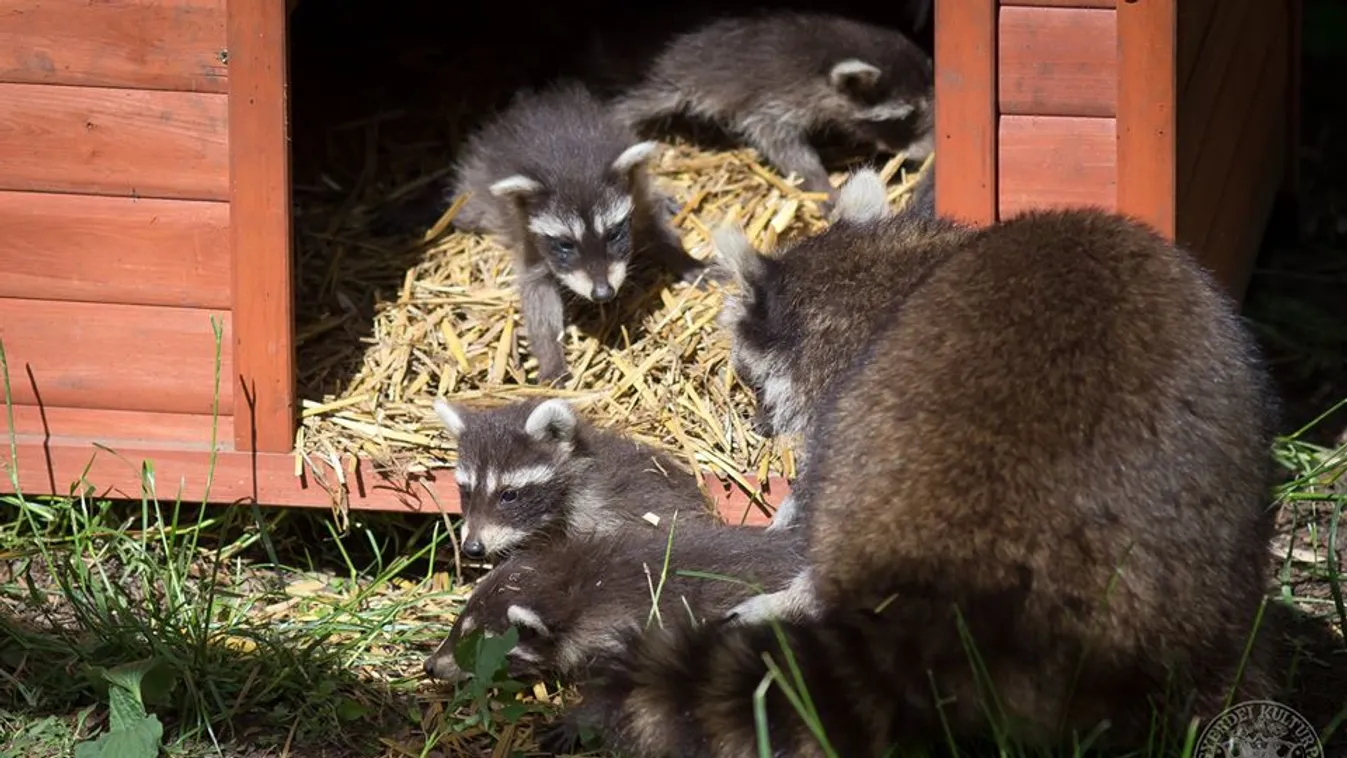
(114, 249)
(140, 44)
(1056, 161)
(93, 140)
(1147, 112)
(186, 431)
(259, 160)
(1061, 3)
(965, 110)
(269, 479)
(1057, 61)
(114, 357)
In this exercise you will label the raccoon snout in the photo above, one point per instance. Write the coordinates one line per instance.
(443, 668)
(474, 549)
(602, 292)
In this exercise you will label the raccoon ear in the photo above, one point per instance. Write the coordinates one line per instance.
(853, 75)
(736, 253)
(553, 419)
(634, 156)
(518, 186)
(450, 416)
(862, 197)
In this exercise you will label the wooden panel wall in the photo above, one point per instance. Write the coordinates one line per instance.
(114, 189)
(1233, 129)
(1057, 99)
(966, 110)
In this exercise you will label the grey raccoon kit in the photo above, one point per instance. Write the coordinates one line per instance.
(536, 468)
(567, 189)
(571, 599)
(1056, 450)
(779, 80)
(804, 314)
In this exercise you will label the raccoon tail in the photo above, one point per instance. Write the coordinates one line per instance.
(690, 691)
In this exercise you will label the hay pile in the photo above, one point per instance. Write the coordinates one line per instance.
(449, 325)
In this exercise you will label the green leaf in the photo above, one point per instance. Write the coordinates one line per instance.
(125, 709)
(141, 739)
(492, 652)
(349, 709)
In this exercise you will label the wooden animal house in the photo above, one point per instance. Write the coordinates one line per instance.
(145, 207)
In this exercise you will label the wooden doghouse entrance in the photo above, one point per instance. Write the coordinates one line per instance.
(145, 190)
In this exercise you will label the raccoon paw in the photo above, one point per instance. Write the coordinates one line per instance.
(568, 736)
(755, 610)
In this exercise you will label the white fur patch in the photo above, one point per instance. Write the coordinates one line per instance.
(609, 216)
(617, 274)
(465, 476)
(554, 416)
(589, 512)
(465, 625)
(888, 112)
(565, 226)
(853, 72)
(778, 392)
(579, 283)
(796, 602)
(516, 185)
(576, 648)
(524, 654)
(634, 156)
(498, 537)
(735, 251)
(526, 477)
(449, 416)
(862, 197)
(521, 616)
(785, 515)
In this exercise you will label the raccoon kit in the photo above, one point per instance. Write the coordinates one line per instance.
(779, 81)
(803, 315)
(536, 468)
(572, 599)
(566, 187)
(1054, 455)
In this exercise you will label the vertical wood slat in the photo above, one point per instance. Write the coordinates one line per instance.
(1147, 96)
(965, 110)
(259, 165)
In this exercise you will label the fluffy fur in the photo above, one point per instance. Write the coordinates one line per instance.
(1057, 445)
(572, 600)
(535, 468)
(566, 187)
(782, 80)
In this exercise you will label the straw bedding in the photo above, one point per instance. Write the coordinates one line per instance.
(443, 319)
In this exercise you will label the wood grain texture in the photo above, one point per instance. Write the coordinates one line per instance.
(1225, 64)
(965, 110)
(269, 479)
(1194, 26)
(1060, 3)
(264, 325)
(1147, 104)
(114, 250)
(1229, 204)
(93, 140)
(114, 357)
(117, 428)
(1056, 161)
(139, 44)
(1057, 61)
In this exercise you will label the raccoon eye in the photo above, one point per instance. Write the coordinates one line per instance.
(563, 248)
(509, 496)
(618, 232)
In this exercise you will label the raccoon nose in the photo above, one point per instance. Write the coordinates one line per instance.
(602, 292)
(429, 667)
(474, 548)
